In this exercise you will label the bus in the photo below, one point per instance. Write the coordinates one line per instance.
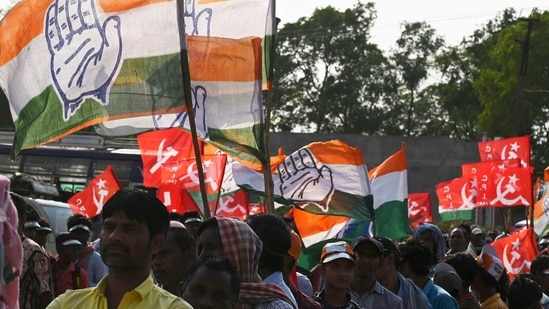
(68, 170)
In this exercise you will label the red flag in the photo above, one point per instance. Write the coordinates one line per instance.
(506, 149)
(419, 208)
(513, 187)
(176, 198)
(162, 147)
(234, 205)
(185, 173)
(89, 202)
(456, 199)
(481, 175)
(517, 251)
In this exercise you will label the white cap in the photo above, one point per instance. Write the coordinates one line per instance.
(80, 226)
(71, 242)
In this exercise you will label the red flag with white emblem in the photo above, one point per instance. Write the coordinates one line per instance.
(456, 199)
(513, 187)
(163, 147)
(89, 202)
(506, 149)
(185, 173)
(419, 208)
(233, 205)
(176, 199)
(517, 251)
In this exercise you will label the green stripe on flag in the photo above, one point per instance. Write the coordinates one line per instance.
(456, 215)
(392, 220)
(247, 144)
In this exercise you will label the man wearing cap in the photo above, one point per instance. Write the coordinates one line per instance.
(191, 220)
(415, 264)
(29, 229)
(337, 266)
(387, 274)
(88, 258)
(486, 283)
(42, 232)
(477, 238)
(67, 275)
(365, 289)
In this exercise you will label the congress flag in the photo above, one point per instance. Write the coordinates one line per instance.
(389, 182)
(419, 208)
(328, 178)
(229, 63)
(506, 149)
(89, 202)
(456, 199)
(63, 74)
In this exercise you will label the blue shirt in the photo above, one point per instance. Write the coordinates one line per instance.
(438, 297)
(276, 278)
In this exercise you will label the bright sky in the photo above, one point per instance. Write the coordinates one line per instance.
(452, 19)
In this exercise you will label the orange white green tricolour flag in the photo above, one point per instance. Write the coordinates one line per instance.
(389, 182)
(328, 178)
(230, 44)
(109, 60)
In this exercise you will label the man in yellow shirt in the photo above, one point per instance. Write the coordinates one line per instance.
(134, 228)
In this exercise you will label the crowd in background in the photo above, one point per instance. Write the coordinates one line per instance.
(143, 255)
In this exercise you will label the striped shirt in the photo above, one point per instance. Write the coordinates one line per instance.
(377, 297)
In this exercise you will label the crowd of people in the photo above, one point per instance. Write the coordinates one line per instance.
(145, 257)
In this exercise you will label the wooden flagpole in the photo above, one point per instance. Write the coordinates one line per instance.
(267, 176)
(186, 77)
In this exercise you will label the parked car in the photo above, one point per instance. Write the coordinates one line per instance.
(56, 213)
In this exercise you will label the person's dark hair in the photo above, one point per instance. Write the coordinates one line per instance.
(218, 264)
(43, 222)
(182, 238)
(77, 220)
(276, 238)
(540, 263)
(466, 228)
(389, 247)
(417, 255)
(20, 205)
(140, 206)
(524, 293)
(206, 224)
(465, 265)
(174, 216)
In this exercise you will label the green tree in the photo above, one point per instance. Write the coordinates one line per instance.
(415, 54)
(329, 76)
(513, 93)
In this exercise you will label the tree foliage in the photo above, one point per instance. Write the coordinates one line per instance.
(330, 77)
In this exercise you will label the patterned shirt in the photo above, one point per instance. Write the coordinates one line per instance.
(319, 297)
(144, 296)
(36, 276)
(377, 297)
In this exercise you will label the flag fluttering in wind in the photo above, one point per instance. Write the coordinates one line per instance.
(419, 208)
(119, 59)
(89, 202)
(328, 178)
(229, 62)
(389, 183)
(456, 199)
(162, 147)
(541, 207)
(506, 149)
(517, 251)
